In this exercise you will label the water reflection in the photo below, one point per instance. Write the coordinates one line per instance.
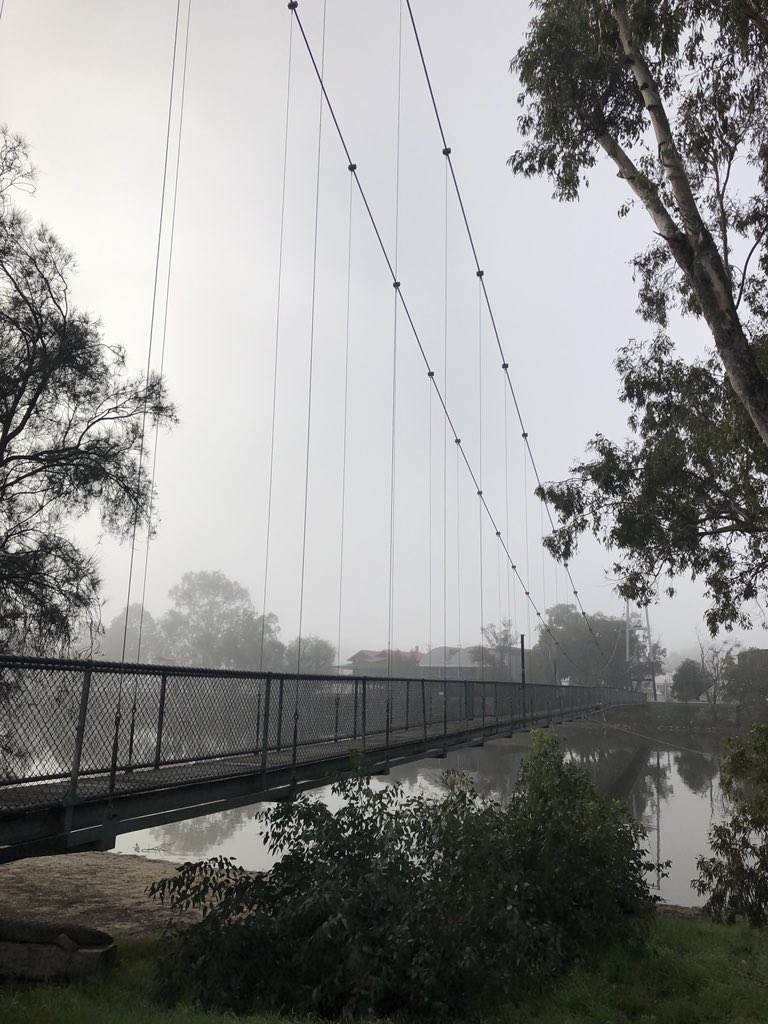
(670, 786)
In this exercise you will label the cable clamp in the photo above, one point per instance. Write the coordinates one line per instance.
(457, 440)
(498, 533)
(352, 167)
(293, 4)
(525, 435)
(396, 284)
(447, 151)
(480, 273)
(505, 366)
(430, 374)
(479, 494)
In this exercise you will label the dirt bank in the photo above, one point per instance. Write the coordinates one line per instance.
(102, 890)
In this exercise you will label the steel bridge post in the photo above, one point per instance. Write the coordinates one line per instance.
(280, 715)
(365, 709)
(354, 713)
(160, 720)
(424, 709)
(85, 692)
(265, 734)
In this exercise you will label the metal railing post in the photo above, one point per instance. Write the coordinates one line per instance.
(445, 710)
(354, 713)
(131, 735)
(407, 704)
(265, 734)
(522, 674)
(160, 721)
(280, 716)
(386, 732)
(258, 720)
(365, 710)
(115, 745)
(80, 733)
(336, 719)
(424, 709)
(295, 733)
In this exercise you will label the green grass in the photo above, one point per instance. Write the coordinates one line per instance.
(692, 972)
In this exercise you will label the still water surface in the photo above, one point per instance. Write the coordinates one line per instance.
(670, 784)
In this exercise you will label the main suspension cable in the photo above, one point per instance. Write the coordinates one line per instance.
(462, 456)
(494, 327)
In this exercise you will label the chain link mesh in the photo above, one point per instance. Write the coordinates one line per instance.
(85, 730)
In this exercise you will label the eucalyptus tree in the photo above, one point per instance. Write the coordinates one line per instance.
(673, 94)
(72, 423)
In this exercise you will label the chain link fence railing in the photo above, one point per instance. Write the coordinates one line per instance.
(80, 730)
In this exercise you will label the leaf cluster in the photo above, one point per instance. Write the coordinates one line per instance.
(425, 908)
(735, 878)
(72, 424)
(675, 95)
(686, 494)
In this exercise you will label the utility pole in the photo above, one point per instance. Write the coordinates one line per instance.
(650, 652)
(522, 673)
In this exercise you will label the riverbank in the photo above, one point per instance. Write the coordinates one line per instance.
(692, 972)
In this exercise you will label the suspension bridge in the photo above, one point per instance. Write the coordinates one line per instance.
(91, 749)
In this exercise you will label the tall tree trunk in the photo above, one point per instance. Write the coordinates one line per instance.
(694, 249)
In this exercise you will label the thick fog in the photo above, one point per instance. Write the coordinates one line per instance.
(88, 82)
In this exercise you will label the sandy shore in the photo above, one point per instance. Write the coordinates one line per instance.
(102, 890)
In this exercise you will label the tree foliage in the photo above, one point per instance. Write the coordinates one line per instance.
(71, 423)
(396, 906)
(735, 878)
(585, 662)
(690, 680)
(746, 680)
(500, 653)
(212, 623)
(675, 96)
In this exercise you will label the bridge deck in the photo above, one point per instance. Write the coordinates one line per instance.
(100, 749)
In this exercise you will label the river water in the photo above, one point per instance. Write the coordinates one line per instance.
(670, 784)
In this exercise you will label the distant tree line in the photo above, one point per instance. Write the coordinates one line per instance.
(565, 649)
(212, 623)
(722, 673)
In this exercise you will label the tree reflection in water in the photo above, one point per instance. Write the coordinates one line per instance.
(669, 783)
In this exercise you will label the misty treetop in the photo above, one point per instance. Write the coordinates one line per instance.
(579, 659)
(212, 623)
(71, 428)
(675, 96)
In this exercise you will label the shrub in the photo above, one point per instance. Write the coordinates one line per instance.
(736, 877)
(411, 905)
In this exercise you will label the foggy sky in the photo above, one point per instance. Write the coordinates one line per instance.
(87, 82)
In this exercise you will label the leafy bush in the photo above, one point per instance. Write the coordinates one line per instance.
(736, 877)
(410, 905)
